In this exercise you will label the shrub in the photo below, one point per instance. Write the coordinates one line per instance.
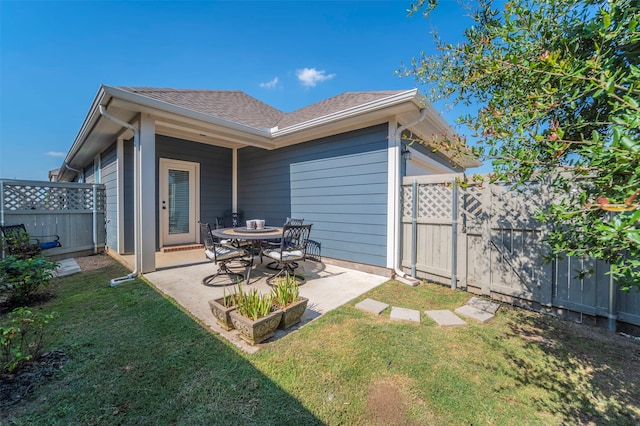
(21, 278)
(22, 338)
(21, 244)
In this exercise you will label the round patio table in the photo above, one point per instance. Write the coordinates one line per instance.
(253, 235)
(267, 233)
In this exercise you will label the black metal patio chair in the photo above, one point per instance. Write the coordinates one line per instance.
(293, 249)
(221, 255)
(274, 244)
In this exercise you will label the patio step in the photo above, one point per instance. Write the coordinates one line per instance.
(169, 249)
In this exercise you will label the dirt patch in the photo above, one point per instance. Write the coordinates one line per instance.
(17, 386)
(97, 261)
(386, 404)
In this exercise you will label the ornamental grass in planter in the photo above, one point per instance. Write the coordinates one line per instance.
(286, 297)
(255, 316)
(221, 309)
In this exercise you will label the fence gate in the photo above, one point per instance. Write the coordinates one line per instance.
(484, 238)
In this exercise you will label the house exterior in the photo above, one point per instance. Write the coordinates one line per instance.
(170, 158)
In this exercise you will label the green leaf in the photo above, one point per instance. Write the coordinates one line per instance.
(627, 143)
(610, 86)
(634, 235)
(606, 20)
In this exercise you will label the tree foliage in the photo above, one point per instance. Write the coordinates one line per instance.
(557, 85)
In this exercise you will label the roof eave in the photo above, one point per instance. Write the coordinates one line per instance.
(390, 101)
(89, 122)
(178, 110)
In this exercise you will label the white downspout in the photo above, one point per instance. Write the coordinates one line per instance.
(396, 199)
(136, 213)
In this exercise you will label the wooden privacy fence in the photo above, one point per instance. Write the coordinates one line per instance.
(484, 239)
(74, 211)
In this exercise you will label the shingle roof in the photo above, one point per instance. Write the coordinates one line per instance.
(332, 105)
(237, 106)
(232, 105)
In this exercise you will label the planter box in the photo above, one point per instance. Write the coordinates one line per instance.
(256, 331)
(221, 313)
(293, 313)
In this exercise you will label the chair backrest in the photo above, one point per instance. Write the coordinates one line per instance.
(13, 231)
(232, 219)
(207, 237)
(294, 221)
(17, 241)
(295, 238)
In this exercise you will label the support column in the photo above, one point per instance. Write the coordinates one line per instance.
(234, 180)
(393, 151)
(120, 196)
(148, 205)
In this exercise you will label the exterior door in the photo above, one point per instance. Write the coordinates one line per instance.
(179, 201)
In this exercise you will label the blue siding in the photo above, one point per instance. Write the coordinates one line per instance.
(215, 174)
(109, 175)
(337, 183)
(89, 174)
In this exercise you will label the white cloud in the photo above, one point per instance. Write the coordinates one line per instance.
(270, 84)
(311, 76)
(55, 154)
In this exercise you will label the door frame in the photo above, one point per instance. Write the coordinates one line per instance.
(194, 217)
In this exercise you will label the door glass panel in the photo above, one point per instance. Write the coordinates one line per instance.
(178, 201)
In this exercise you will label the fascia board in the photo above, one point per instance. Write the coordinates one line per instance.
(174, 109)
(409, 95)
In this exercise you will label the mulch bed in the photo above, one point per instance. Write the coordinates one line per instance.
(16, 386)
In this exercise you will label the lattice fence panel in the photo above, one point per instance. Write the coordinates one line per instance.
(18, 197)
(472, 208)
(407, 201)
(434, 202)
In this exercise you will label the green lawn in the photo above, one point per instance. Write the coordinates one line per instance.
(135, 357)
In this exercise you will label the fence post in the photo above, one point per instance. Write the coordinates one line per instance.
(1, 202)
(454, 235)
(2, 215)
(613, 308)
(414, 228)
(95, 219)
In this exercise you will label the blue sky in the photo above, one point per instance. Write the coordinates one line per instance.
(54, 56)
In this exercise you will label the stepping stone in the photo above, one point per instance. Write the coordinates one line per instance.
(404, 314)
(373, 306)
(66, 267)
(445, 318)
(473, 313)
(484, 305)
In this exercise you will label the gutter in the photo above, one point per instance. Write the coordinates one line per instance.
(387, 102)
(400, 275)
(136, 214)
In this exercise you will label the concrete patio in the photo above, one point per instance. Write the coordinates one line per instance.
(179, 275)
